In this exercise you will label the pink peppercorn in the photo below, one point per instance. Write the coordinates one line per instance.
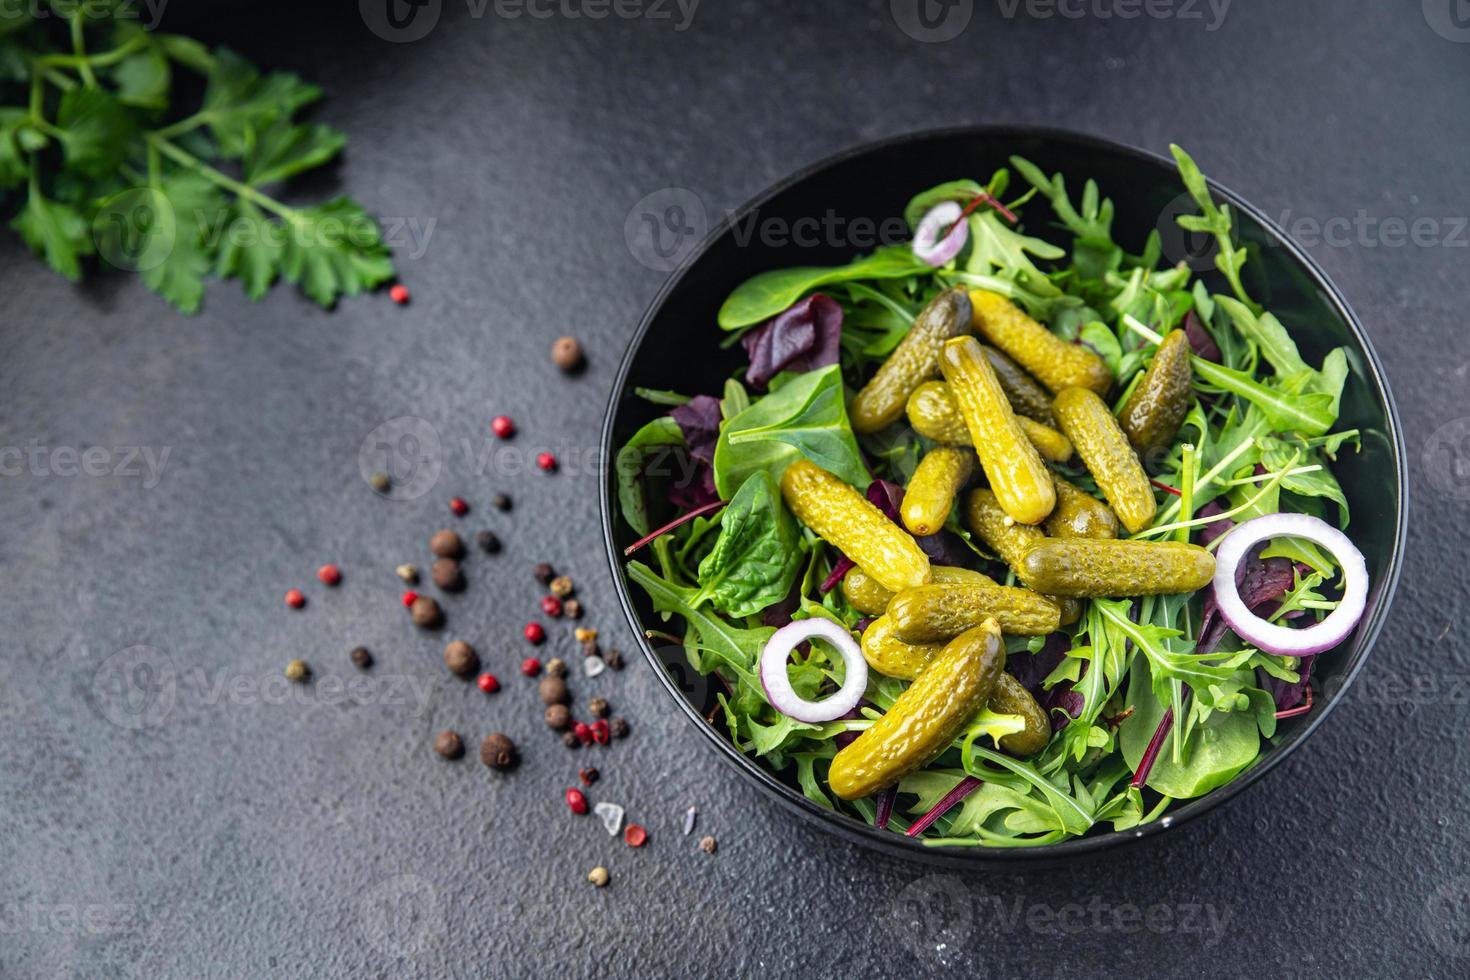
(546, 461)
(329, 574)
(534, 633)
(458, 506)
(295, 599)
(503, 426)
(488, 683)
(408, 598)
(530, 666)
(577, 800)
(399, 294)
(551, 605)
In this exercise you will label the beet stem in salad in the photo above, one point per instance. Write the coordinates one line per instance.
(696, 512)
(961, 790)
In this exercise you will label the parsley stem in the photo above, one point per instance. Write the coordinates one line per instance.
(187, 159)
(187, 124)
(84, 62)
(79, 45)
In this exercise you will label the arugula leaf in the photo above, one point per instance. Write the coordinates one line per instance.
(94, 131)
(56, 232)
(806, 417)
(960, 191)
(998, 249)
(335, 249)
(1093, 223)
(764, 295)
(1215, 220)
(757, 556)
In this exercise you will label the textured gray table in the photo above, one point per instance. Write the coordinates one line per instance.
(229, 827)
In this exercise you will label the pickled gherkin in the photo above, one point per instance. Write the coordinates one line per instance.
(1109, 457)
(931, 492)
(1010, 697)
(1050, 359)
(1154, 412)
(915, 360)
(846, 520)
(1018, 477)
(1009, 540)
(864, 593)
(1027, 397)
(892, 657)
(931, 613)
(1079, 514)
(1097, 568)
(934, 415)
(928, 716)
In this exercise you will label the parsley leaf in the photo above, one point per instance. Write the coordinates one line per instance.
(56, 232)
(335, 250)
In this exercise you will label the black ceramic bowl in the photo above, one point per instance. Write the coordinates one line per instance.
(677, 346)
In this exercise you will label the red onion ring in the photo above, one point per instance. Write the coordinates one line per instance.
(776, 682)
(927, 245)
(1271, 637)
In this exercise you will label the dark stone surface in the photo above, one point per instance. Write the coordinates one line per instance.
(233, 827)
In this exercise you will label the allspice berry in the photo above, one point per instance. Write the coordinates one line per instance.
(567, 354)
(447, 574)
(426, 613)
(558, 717)
(449, 745)
(498, 752)
(446, 544)
(461, 658)
(553, 690)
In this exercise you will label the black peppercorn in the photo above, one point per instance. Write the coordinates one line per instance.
(488, 542)
(500, 501)
(614, 659)
(588, 775)
(446, 544)
(572, 608)
(447, 574)
(498, 752)
(558, 717)
(544, 573)
(570, 740)
(553, 690)
(619, 728)
(449, 745)
(361, 658)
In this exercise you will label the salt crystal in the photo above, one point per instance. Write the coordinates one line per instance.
(611, 816)
(592, 666)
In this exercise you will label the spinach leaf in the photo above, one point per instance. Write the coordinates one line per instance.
(806, 417)
(764, 295)
(662, 432)
(1215, 751)
(757, 555)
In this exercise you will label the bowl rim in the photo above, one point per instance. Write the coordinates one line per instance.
(982, 857)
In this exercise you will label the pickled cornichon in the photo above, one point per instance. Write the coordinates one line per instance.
(1026, 396)
(846, 520)
(1079, 514)
(892, 657)
(934, 415)
(1018, 477)
(1154, 412)
(1097, 568)
(931, 492)
(915, 360)
(1011, 698)
(1050, 359)
(925, 718)
(931, 613)
(864, 593)
(1011, 541)
(1109, 457)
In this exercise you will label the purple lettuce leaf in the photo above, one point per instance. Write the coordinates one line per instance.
(1200, 340)
(942, 547)
(1260, 582)
(699, 420)
(696, 492)
(1286, 694)
(804, 337)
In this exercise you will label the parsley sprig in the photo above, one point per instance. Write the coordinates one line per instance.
(99, 157)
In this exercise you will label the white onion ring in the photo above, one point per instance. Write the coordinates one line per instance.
(1271, 637)
(776, 682)
(941, 216)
